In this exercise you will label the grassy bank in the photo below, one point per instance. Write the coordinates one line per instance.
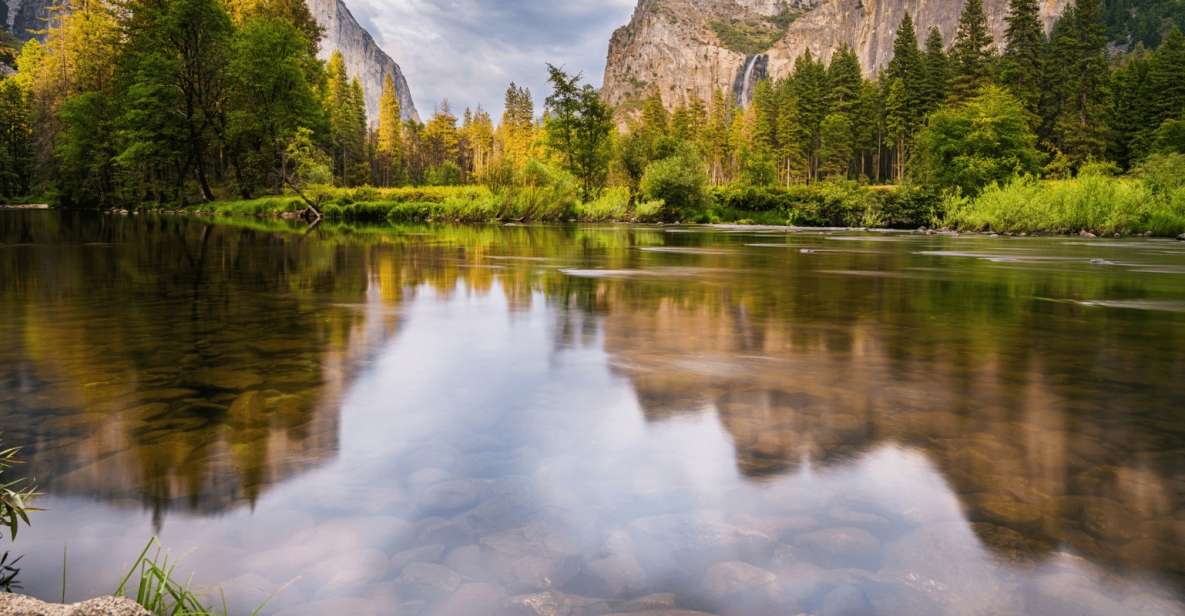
(455, 204)
(1152, 203)
(839, 204)
(1095, 204)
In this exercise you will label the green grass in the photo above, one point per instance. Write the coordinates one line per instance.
(824, 204)
(547, 202)
(1095, 203)
(754, 36)
(833, 203)
(15, 496)
(747, 37)
(156, 589)
(1150, 202)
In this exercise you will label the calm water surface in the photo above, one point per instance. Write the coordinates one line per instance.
(596, 420)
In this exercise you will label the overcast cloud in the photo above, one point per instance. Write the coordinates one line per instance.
(468, 51)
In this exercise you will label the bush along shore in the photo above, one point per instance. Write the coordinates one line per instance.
(1151, 203)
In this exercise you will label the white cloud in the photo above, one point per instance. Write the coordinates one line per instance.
(468, 51)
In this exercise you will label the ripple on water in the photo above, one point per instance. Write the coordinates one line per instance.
(870, 238)
(687, 250)
(1132, 304)
(874, 274)
(999, 257)
(654, 272)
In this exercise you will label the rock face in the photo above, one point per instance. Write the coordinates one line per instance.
(363, 56)
(684, 49)
(24, 17)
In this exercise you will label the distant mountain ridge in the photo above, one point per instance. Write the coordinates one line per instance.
(685, 49)
(363, 56)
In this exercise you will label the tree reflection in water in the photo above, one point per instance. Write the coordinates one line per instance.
(431, 417)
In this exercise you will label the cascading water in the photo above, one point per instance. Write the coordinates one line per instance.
(753, 70)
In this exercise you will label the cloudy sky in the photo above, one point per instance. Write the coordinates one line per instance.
(468, 51)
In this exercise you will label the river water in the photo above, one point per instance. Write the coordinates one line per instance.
(590, 420)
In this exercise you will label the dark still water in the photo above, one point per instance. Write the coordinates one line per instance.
(571, 421)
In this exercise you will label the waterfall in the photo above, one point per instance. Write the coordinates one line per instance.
(750, 72)
(747, 91)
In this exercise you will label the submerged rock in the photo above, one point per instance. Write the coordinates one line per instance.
(530, 558)
(449, 496)
(552, 603)
(685, 542)
(724, 581)
(20, 605)
(846, 600)
(424, 554)
(615, 576)
(427, 580)
(841, 546)
(474, 598)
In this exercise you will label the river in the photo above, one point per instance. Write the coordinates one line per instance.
(588, 420)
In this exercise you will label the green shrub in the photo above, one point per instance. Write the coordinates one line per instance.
(1093, 203)
(833, 203)
(759, 170)
(1170, 137)
(410, 211)
(680, 183)
(612, 205)
(446, 174)
(906, 207)
(540, 192)
(1162, 173)
(649, 211)
(983, 141)
(1103, 168)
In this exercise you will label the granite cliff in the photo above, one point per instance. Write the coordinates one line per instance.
(363, 56)
(688, 48)
(24, 18)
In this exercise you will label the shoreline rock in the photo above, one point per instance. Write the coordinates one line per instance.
(21, 605)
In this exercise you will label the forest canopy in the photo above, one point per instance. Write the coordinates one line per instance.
(171, 103)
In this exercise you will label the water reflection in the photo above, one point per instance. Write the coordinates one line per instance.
(587, 420)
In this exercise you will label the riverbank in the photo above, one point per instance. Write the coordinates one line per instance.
(1091, 205)
(1150, 204)
(829, 204)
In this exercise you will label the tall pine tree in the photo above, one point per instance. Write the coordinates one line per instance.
(1020, 70)
(935, 73)
(1083, 54)
(971, 57)
(389, 147)
(810, 93)
(907, 89)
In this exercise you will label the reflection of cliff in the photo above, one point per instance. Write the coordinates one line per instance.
(1037, 464)
(160, 375)
(200, 387)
